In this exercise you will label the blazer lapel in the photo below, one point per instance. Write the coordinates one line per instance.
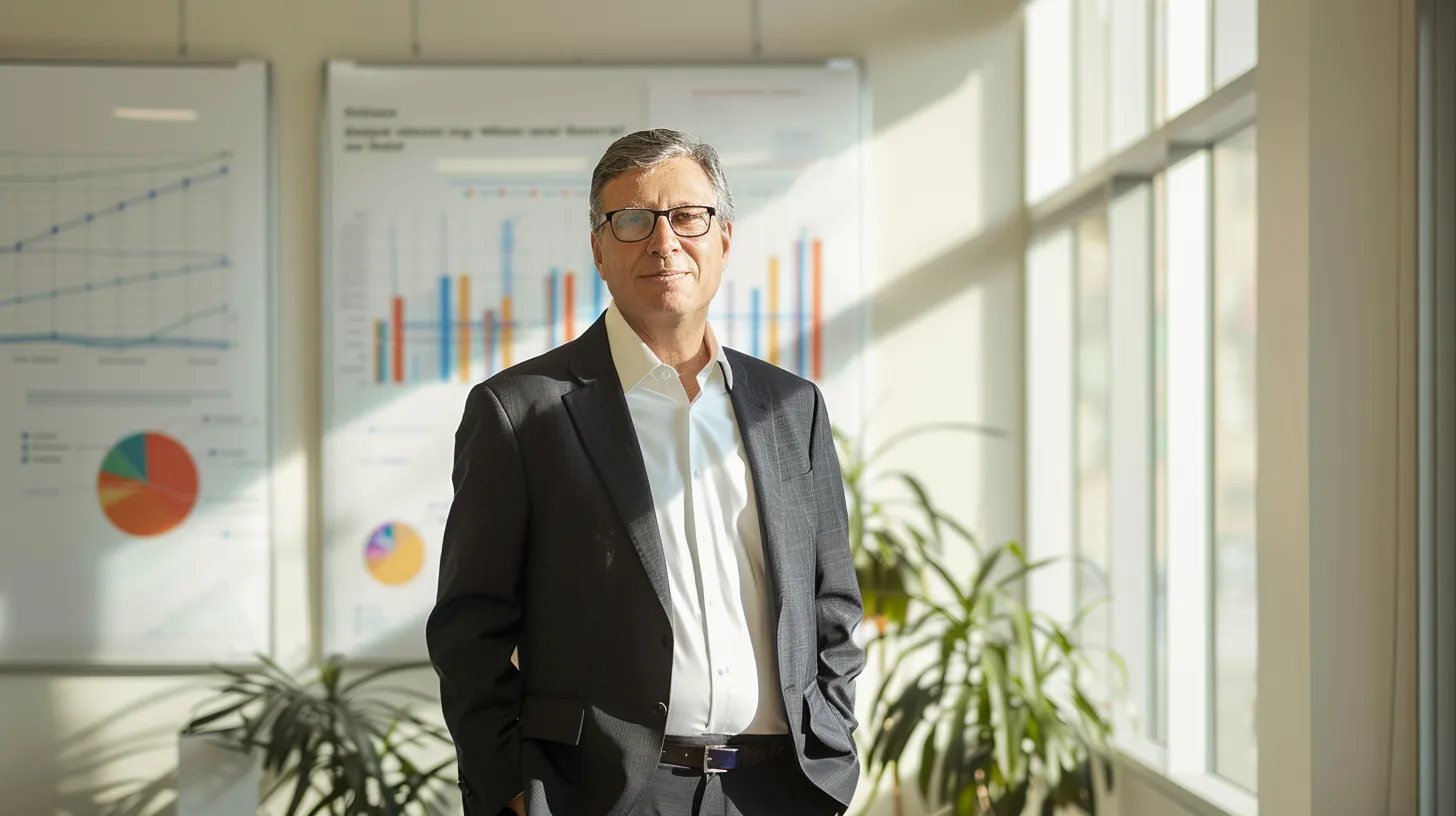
(757, 421)
(599, 411)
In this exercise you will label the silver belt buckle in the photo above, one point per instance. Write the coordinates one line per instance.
(708, 758)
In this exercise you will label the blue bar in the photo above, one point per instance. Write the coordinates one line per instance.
(383, 350)
(753, 322)
(445, 328)
(508, 248)
(731, 316)
(553, 286)
(799, 306)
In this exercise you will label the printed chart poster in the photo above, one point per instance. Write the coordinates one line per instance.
(134, 364)
(459, 245)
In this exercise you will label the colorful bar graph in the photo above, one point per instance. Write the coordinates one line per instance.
(464, 329)
(569, 307)
(773, 310)
(445, 327)
(508, 250)
(398, 338)
(731, 314)
(505, 330)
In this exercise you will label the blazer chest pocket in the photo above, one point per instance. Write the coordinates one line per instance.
(554, 719)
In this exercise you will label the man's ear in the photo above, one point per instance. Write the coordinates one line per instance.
(596, 246)
(726, 230)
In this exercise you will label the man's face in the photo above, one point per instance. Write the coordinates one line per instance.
(665, 274)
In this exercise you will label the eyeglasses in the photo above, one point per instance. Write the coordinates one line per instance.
(637, 224)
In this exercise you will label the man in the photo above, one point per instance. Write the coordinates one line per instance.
(657, 524)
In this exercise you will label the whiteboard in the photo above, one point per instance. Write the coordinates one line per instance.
(135, 349)
(457, 244)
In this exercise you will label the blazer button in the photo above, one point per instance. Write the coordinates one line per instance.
(666, 641)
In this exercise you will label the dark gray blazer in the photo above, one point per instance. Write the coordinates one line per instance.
(552, 547)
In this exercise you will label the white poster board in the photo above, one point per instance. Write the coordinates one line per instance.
(135, 364)
(457, 244)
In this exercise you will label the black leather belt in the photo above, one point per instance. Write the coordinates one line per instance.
(711, 759)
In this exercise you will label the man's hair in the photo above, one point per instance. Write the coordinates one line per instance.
(649, 148)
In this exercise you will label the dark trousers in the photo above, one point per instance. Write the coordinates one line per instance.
(776, 787)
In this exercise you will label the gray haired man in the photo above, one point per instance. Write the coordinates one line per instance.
(657, 524)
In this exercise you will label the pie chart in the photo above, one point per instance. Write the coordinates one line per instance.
(394, 554)
(147, 484)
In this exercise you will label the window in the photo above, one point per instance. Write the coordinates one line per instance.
(1235, 588)
(1140, 316)
(1048, 97)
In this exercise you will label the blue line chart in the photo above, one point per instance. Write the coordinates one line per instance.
(63, 281)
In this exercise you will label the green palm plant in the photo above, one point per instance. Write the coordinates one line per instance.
(883, 529)
(887, 510)
(331, 746)
(997, 701)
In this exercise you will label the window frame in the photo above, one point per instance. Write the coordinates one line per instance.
(1186, 761)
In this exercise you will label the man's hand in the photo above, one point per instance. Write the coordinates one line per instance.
(518, 804)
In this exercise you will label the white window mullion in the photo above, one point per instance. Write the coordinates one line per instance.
(1188, 465)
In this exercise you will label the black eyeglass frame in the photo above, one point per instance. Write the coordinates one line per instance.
(658, 215)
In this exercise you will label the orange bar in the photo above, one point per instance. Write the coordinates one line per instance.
(570, 305)
(505, 325)
(398, 339)
(773, 310)
(818, 315)
(464, 329)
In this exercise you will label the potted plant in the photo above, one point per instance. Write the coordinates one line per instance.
(992, 693)
(331, 746)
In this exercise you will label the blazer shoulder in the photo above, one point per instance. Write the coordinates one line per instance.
(542, 377)
(779, 382)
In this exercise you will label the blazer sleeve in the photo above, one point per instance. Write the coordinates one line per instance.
(473, 628)
(838, 606)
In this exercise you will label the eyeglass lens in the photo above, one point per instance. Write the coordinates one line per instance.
(635, 225)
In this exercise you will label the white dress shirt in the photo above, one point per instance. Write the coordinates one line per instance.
(724, 670)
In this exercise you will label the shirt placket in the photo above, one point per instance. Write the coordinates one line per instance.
(711, 581)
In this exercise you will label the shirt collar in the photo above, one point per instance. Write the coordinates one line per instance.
(634, 360)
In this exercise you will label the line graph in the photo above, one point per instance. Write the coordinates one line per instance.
(116, 251)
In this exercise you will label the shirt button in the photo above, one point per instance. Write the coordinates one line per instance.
(720, 672)
(667, 375)
(712, 604)
(697, 474)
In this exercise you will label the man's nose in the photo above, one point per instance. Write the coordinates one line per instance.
(663, 240)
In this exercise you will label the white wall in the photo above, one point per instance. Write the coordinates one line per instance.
(947, 301)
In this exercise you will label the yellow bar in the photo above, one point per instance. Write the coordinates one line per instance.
(464, 329)
(773, 310)
(505, 327)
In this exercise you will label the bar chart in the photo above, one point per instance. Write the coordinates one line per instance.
(462, 309)
(455, 254)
